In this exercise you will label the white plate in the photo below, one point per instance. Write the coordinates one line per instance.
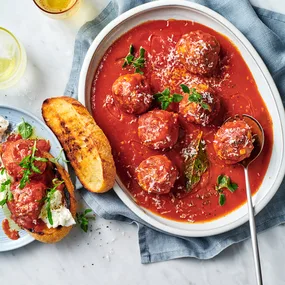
(183, 10)
(14, 116)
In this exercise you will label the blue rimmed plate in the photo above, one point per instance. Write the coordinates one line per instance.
(14, 116)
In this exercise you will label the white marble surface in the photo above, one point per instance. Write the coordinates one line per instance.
(109, 254)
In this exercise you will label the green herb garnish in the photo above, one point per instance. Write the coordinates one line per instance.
(2, 170)
(25, 129)
(223, 181)
(138, 63)
(49, 196)
(195, 96)
(58, 158)
(83, 220)
(165, 98)
(29, 167)
(5, 186)
(195, 162)
(222, 199)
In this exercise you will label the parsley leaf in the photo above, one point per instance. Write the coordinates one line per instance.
(223, 181)
(25, 129)
(165, 98)
(222, 199)
(137, 63)
(29, 167)
(83, 220)
(185, 88)
(195, 96)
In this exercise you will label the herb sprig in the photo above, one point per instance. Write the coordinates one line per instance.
(5, 186)
(138, 63)
(224, 182)
(195, 96)
(83, 220)
(29, 167)
(25, 129)
(165, 98)
(49, 196)
(58, 158)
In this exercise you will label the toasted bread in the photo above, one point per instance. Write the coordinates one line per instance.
(84, 143)
(53, 235)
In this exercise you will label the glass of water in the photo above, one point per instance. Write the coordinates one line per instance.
(13, 59)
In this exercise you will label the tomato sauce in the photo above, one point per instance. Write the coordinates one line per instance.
(234, 84)
(12, 234)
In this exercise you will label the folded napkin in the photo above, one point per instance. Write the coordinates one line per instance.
(266, 31)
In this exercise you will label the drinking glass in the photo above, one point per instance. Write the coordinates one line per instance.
(58, 9)
(13, 59)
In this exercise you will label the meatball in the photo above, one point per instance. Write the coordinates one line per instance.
(132, 93)
(199, 52)
(201, 106)
(158, 129)
(14, 151)
(26, 204)
(156, 174)
(233, 141)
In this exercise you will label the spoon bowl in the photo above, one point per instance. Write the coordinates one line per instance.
(258, 137)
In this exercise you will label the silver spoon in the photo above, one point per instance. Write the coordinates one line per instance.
(258, 132)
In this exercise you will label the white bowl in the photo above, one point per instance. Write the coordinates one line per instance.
(183, 10)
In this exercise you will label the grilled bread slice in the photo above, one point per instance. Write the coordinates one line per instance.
(53, 235)
(84, 143)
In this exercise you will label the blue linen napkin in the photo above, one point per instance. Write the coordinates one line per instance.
(266, 31)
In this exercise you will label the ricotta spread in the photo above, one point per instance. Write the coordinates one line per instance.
(61, 216)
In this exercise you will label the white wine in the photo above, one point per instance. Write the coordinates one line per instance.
(56, 5)
(7, 62)
(13, 59)
(58, 9)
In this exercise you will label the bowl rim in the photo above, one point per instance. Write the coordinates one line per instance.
(267, 76)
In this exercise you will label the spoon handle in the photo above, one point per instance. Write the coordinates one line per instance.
(253, 230)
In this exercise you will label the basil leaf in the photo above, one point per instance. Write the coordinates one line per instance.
(232, 187)
(185, 88)
(142, 52)
(2, 170)
(131, 49)
(224, 181)
(137, 70)
(164, 105)
(222, 199)
(177, 97)
(166, 92)
(25, 129)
